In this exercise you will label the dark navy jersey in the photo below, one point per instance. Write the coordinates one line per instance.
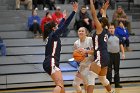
(100, 48)
(53, 46)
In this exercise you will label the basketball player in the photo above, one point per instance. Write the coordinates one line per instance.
(83, 75)
(53, 47)
(101, 56)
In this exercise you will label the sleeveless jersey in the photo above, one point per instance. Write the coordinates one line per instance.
(101, 56)
(87, 44)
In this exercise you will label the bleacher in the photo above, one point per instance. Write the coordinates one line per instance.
(22, 67)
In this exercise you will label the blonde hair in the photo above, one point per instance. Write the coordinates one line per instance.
(85, 29)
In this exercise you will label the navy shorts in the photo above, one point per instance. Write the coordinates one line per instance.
(50, 65)
(102, 58)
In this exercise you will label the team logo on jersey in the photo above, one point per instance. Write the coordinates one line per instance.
(105, 37)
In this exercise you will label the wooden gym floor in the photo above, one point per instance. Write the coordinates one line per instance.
(127, 88)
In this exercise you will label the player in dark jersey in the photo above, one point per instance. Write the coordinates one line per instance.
(101, 56)
(52, 34)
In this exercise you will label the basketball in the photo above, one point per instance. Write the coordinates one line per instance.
(78, 55)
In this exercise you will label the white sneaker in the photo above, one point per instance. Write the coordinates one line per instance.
(45, 9)
(36, 8)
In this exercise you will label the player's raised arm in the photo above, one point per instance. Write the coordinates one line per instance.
(99, 25)
(68, 20)
(95, 19)
(105, 7)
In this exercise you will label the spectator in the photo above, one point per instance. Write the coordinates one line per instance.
(114, 45)
(57, 17)
(45, 20)
(36, 2)
(25, 2)
(83, 19)
(34, 23)
(51, 4)
(2, 47)
(123, 34)
(120, 15)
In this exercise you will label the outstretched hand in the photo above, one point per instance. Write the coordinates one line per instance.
(106, 5)
(64, 14)
(75, 6)
(92, 1)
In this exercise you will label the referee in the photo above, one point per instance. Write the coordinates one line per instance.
(114, 46)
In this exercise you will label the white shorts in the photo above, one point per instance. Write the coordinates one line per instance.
(89, 76)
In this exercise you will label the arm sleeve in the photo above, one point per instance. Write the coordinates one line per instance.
(61, 23)
(65, 24)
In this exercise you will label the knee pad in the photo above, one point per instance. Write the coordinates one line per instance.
(103, 80)
(91, 78)
(76, 84)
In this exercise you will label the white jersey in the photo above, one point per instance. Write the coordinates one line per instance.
(87, 44)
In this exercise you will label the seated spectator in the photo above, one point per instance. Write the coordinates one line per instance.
(46, 20)
(34, 23)
(57, 17)
(83, 19)
(36, 2)
(51, 4)
(2, 47)
(123, 34)
(25, 2)
(120, 15)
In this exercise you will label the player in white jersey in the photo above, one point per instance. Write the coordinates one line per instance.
(83, 75)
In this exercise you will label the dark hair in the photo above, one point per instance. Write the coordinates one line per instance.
(83, 6)
(104, 22)
(47, 13)
(33, 11)
(124, 23)
(48, 29)
(112, 24)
